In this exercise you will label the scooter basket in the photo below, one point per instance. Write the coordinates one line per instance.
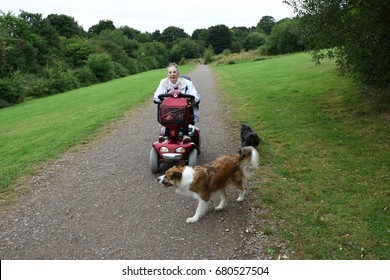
(173, 115)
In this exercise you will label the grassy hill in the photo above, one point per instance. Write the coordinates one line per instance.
(325, 156)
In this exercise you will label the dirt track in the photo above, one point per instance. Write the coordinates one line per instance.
(102, 202)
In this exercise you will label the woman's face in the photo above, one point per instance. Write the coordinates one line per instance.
(173, 74)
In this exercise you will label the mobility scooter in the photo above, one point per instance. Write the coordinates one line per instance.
(179, 139)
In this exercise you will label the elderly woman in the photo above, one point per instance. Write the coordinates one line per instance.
(174, 81)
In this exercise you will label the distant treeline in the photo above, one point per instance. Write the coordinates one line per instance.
(43, 56)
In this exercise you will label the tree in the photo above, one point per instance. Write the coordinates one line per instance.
(171, 34)
(265, 24)
(156, 36)
(200, 34)
(355, 31)
(76, 51)
(238, 37)
(102, 25)
(145, 37)
(116, 52)
(131, 48)
(50, 41)
(219, 38)
(152, 55)
(18, 45)
(284, 38)
(113, 35)
(130, 32)
(254, 40)
(102, 66)
(185, 48)
(66, 26)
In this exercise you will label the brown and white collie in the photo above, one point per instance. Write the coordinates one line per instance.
(201, 182)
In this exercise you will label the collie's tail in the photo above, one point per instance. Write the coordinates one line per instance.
(249, 155)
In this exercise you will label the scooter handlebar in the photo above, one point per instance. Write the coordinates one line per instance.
(187, 96)
(164, 95)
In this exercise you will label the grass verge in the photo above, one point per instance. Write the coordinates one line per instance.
(325, 154)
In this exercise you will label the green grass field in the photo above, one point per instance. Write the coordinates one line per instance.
(325, 156)
(41, 129)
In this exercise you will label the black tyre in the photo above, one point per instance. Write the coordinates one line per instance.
(198, 147)
(193, 158)
(154, 161)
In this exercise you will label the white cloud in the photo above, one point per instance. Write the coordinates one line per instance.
(151, 15)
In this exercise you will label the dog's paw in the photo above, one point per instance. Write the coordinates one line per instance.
(192, 220)
(241, 196)
(220, 207)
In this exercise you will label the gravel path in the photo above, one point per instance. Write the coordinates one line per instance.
(102, 202)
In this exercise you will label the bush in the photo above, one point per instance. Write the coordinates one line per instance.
(76, 51)
(236, 46)
(147, 62)
(154, 55)
(283, 39)
(185, 48)
(116, 52)
(31, 85)
(120, 71)
(208, 55)
(39, 87)
(61, 81)
(133, 66)
(9, 92)
(254, 40)
(85, 76)
(226, 52)
(102, 66)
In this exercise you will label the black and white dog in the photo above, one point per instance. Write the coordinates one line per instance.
(248, 136)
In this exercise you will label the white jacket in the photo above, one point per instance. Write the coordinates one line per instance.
(186, 87)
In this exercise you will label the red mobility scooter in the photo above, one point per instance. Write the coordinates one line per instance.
(179, 139)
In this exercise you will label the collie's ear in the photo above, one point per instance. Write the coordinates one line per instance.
(176, 175)
(241, 154)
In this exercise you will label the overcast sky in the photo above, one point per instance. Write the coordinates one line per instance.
(152, 15)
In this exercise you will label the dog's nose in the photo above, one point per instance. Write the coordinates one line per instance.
(159, 179)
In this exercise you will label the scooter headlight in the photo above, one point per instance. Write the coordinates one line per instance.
(164, 150)
(180, 150)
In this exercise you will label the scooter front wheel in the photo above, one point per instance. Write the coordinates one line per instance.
(154, 161)
(193, 158)
(198, 147)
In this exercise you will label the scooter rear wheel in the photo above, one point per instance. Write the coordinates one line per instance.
(154, 161)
